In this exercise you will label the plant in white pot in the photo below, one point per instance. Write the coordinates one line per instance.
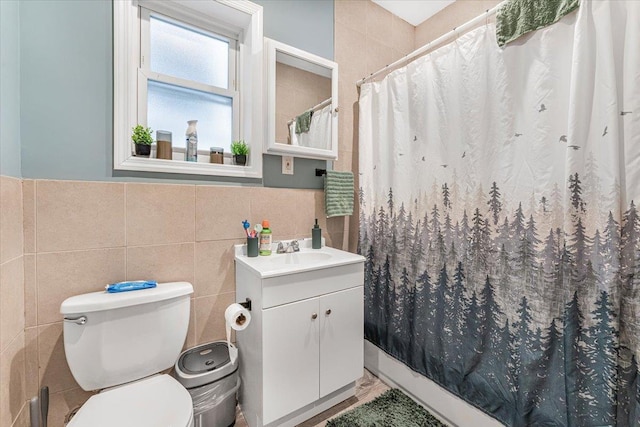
(239, 149)
(142, 139)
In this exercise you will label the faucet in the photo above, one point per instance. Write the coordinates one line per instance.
(291, 247)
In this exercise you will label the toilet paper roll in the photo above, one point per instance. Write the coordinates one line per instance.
(237, 318)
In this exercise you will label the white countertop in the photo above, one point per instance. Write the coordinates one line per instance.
(297, 262)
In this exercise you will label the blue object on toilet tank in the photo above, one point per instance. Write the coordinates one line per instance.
(131, 286)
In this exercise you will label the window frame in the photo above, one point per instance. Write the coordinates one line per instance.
(240, 20)
(145, 73)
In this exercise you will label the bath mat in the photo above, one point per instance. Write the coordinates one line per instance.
(393, 408)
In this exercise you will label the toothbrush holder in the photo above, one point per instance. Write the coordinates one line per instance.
(252, 246)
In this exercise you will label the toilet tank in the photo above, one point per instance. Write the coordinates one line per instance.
(125, 336)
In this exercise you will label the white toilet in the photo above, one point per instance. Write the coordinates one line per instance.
(118, 343)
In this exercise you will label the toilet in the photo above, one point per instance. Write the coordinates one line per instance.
(119, 343)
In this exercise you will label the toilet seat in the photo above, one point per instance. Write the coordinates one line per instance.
(158, 401)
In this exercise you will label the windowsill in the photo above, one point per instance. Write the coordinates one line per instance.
(147, 164)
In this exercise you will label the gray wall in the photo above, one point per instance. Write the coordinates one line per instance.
(66, 87)
(10, 88)
(305, 24)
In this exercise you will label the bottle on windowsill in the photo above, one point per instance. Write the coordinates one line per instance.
(191, 154)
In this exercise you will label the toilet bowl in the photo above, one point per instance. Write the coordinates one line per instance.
(119, 344)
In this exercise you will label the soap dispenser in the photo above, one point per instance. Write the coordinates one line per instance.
(316, 236)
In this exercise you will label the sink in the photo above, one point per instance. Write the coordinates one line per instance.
(307, 259)
(301, 257)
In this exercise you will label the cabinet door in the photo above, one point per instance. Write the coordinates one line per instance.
(341, 339)
(291, 357)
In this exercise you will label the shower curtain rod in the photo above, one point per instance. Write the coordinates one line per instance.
(314, 108)
(446, 37)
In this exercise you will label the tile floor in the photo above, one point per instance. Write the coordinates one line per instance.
(367, 388)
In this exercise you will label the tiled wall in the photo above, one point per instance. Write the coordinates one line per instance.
(367, 37)
(80, 236)
(13, 410)
(296, 91)
(452, 16)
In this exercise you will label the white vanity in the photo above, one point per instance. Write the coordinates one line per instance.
(303, 350)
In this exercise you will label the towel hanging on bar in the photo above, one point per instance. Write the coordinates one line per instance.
(516, 18)
(317, 107)
(338, 193)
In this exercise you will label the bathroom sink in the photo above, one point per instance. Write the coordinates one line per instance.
(296, 262)
(301, 257)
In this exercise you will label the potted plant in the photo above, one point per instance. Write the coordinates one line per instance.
(142, 139)
(239, 149)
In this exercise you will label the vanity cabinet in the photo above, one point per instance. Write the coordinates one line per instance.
(303, 350)
(341, 338)
(311, 348)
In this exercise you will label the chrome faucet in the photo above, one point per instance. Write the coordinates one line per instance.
(291, 247)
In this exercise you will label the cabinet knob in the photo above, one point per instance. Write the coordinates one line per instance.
(328, 312)
(314, 316)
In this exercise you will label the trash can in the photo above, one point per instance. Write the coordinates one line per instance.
(212, 380)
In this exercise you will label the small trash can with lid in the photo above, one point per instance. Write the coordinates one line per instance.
(212, 380)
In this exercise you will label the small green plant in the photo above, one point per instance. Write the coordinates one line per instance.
(142, 135)
(239, 148)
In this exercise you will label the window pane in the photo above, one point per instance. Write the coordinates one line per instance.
(187, 54)
(170, 107)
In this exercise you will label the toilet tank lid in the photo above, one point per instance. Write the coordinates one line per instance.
(99, 301)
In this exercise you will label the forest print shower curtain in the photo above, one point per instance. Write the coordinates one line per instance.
(499, 198)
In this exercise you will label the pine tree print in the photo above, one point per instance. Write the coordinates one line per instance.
(517, 225)
(602, 359)
(628, 389)
(382, 230)
(521, 314)
(523, 348)
(422, 306)
(479, 247)
(550, 378)
(629, 238)
(473, 334)
(495, 205)
(455, 315)
(446, 196)
(440, 301)
(575, 189)
(490, 315)
(578, 399)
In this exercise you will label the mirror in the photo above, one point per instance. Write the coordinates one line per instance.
(302, 103)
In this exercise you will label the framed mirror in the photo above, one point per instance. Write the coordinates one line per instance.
(302, 103)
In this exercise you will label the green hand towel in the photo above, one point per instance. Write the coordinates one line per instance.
(338, 193)
(518, 17)
(303, 122)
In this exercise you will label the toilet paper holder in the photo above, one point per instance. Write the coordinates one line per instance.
(246, 304)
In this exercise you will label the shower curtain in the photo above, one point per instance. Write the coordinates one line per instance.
(499, 193)
(319, 130)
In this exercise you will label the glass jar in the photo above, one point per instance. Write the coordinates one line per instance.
(163, 143)
(216, 155)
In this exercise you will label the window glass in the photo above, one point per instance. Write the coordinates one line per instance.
(187, 54)
(169, 108)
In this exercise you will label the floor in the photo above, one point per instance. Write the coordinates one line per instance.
(367, 388)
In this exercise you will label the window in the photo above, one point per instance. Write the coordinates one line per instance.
(180, 60)
(188, 73)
